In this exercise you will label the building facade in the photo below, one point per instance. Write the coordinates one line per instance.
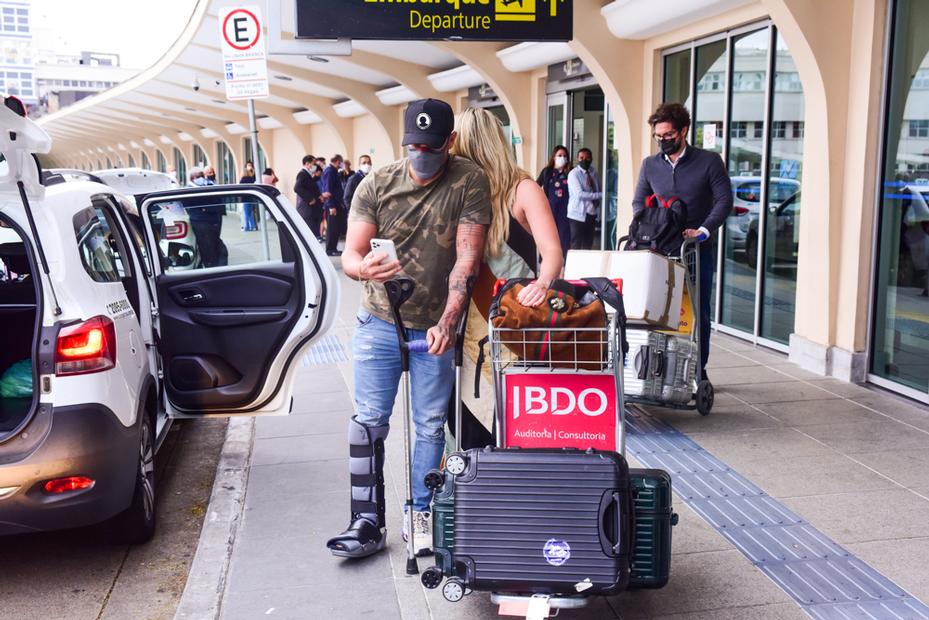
(820, 111)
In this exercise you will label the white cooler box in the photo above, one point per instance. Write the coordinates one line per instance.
(653, 284)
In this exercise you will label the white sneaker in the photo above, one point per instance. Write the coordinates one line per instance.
(422, 532)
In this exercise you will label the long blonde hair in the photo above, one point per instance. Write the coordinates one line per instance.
(481, 139)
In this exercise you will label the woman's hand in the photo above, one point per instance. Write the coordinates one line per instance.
(532, 294)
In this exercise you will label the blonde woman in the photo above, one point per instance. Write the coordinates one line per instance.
(522, 229)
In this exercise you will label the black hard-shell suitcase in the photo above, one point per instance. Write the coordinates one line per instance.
(653, 515)
(654, 518)
(542, 520)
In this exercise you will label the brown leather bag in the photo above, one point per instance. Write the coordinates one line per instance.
(570, 325)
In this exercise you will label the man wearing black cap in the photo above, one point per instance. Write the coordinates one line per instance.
(435, 207)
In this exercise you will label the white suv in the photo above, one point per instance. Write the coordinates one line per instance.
(103, 341)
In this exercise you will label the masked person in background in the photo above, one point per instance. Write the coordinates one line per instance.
(435, 207)
(364, 168)
(309, 198)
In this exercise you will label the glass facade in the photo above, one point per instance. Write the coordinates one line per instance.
(200, 159)
(180, 165)
(162, 163)
(746, 100)
(900, 340)
(225, 164)
(262, 162)
(146, 163)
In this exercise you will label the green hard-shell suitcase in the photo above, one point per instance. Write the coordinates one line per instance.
(654, 518)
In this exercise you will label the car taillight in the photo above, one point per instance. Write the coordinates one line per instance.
(86, 347)
(71, 483)
(177, 230)
(740, 210)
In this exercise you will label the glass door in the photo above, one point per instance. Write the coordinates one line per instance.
(739, 275)
(610, 183)
(556, 133)
(587, 131)
(900, 324)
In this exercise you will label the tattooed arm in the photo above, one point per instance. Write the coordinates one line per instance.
(470, 247)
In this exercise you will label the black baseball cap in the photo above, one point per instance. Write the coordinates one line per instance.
(428, 121)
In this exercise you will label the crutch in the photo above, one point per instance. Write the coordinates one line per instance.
(459, 360)
(399, 291)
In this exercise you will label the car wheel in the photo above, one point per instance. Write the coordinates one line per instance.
(751, 251)
(136, 524)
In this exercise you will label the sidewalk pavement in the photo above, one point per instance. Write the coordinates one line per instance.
(851, 460)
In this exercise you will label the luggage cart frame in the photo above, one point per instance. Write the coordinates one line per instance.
(609, 361)
(702, 391)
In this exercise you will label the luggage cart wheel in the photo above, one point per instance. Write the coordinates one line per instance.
(454, 590)
(455, 464)
(704, 397)
(432, 577)
(434, 480)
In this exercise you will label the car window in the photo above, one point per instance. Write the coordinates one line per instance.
(779, 192)
(97, 253)
(748, 191)
(199, 232)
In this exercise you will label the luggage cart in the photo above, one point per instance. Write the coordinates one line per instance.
(700, 390)
(591, 378)
(586, 385)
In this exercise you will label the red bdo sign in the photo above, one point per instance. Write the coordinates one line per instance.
(560, 411)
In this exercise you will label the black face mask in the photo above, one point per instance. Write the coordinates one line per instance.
(669, 146)
(584, 163)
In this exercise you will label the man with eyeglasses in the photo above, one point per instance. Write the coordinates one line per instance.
(435, 207)
(699, 179)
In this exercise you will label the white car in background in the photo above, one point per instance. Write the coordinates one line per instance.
(176, 236)
(746, 197)
(103, 343)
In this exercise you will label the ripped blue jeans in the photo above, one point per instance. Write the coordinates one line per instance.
(377, 370)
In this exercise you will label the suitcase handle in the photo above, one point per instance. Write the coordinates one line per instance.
(660, 363)
(641, 363)
(611, 523)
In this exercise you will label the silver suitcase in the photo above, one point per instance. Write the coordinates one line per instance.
(659, 367)
(639, 372)
(680, 370)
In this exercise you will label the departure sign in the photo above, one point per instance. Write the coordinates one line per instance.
(462, 20)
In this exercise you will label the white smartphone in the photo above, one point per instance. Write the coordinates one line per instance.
(385, 246)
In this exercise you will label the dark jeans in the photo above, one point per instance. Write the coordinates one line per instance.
(707, 269)
(582, 233)
(213, 252)
(313, 216)
(335, 226)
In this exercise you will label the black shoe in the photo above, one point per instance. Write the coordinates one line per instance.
(334, 253)
(361, 539)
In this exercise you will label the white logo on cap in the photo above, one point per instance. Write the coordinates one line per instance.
(423, 121)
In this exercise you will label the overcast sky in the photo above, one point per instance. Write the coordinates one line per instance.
(140, 31)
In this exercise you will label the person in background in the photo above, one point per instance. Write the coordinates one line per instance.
(554, 182)
(364, 168)
(172, 172)
(249, 211)
(334, 205)
(346, 173)
(521, 229)
(700, 180)
(583, 201)
(321, 163)
(309, 200)
(269, 178)
(210, 173)
(207, 224)
(435, 207)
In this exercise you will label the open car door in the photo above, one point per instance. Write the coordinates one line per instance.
(243, 289)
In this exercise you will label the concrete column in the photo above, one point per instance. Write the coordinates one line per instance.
(837, 50)
(617, 64)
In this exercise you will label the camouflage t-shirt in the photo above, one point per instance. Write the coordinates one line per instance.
(423, 223)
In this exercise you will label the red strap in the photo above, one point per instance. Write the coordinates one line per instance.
(650, 201)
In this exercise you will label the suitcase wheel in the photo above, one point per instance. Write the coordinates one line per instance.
(454, 590)
(704, 397)
(432, 577)
(455, 464)
(434, 480)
